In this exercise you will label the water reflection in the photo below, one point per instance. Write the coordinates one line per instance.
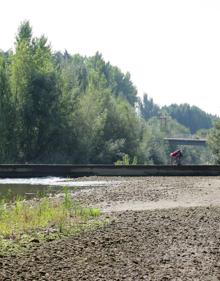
(11, 191)
(32, 187)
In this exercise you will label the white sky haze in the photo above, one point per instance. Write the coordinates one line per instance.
(170, 47)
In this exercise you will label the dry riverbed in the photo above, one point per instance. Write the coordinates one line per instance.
(161, 228)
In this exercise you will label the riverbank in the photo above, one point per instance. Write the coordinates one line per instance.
(143, 240)
(24, 222)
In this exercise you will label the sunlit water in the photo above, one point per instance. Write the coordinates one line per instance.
(32, 187)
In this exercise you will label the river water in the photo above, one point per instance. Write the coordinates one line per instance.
(33, 187)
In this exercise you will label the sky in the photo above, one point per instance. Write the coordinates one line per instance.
(171, 48)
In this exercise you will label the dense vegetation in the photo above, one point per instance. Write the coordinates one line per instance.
(191, 117)
(63, 108)
(45, 219)
(214, 142)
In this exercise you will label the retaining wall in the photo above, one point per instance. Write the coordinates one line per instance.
(21, 171)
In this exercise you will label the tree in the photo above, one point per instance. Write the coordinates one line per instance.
(123, 129)
(22, 66)
(148, 108)
(7, 141)
(35, 95)
(63, 108)
(24, 33)
(119, 84)
(214, 142)
(190, 116)
(91, 118)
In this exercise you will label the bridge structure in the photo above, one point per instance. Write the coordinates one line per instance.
(186, 141)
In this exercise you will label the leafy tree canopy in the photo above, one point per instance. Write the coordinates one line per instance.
(63, 108)
(191, 117)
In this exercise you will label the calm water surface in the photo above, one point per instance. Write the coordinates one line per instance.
(32, 187)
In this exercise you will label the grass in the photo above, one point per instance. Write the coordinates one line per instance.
(24, 222)
(126, 160)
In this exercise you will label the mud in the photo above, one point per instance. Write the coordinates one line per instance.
(160, 229)
(149, 193)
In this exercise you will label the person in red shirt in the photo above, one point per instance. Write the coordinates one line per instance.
(176, 157)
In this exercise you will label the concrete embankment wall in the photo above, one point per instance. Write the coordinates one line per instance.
(21, 171)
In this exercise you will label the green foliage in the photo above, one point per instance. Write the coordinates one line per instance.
(214, 142)
(67, 203)
(34, 96)
(154, 149)
(6, 112)
(48, 218)
(24, 32)
(63, 108)
(148, 108)
(190, 116)
(126, 160)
